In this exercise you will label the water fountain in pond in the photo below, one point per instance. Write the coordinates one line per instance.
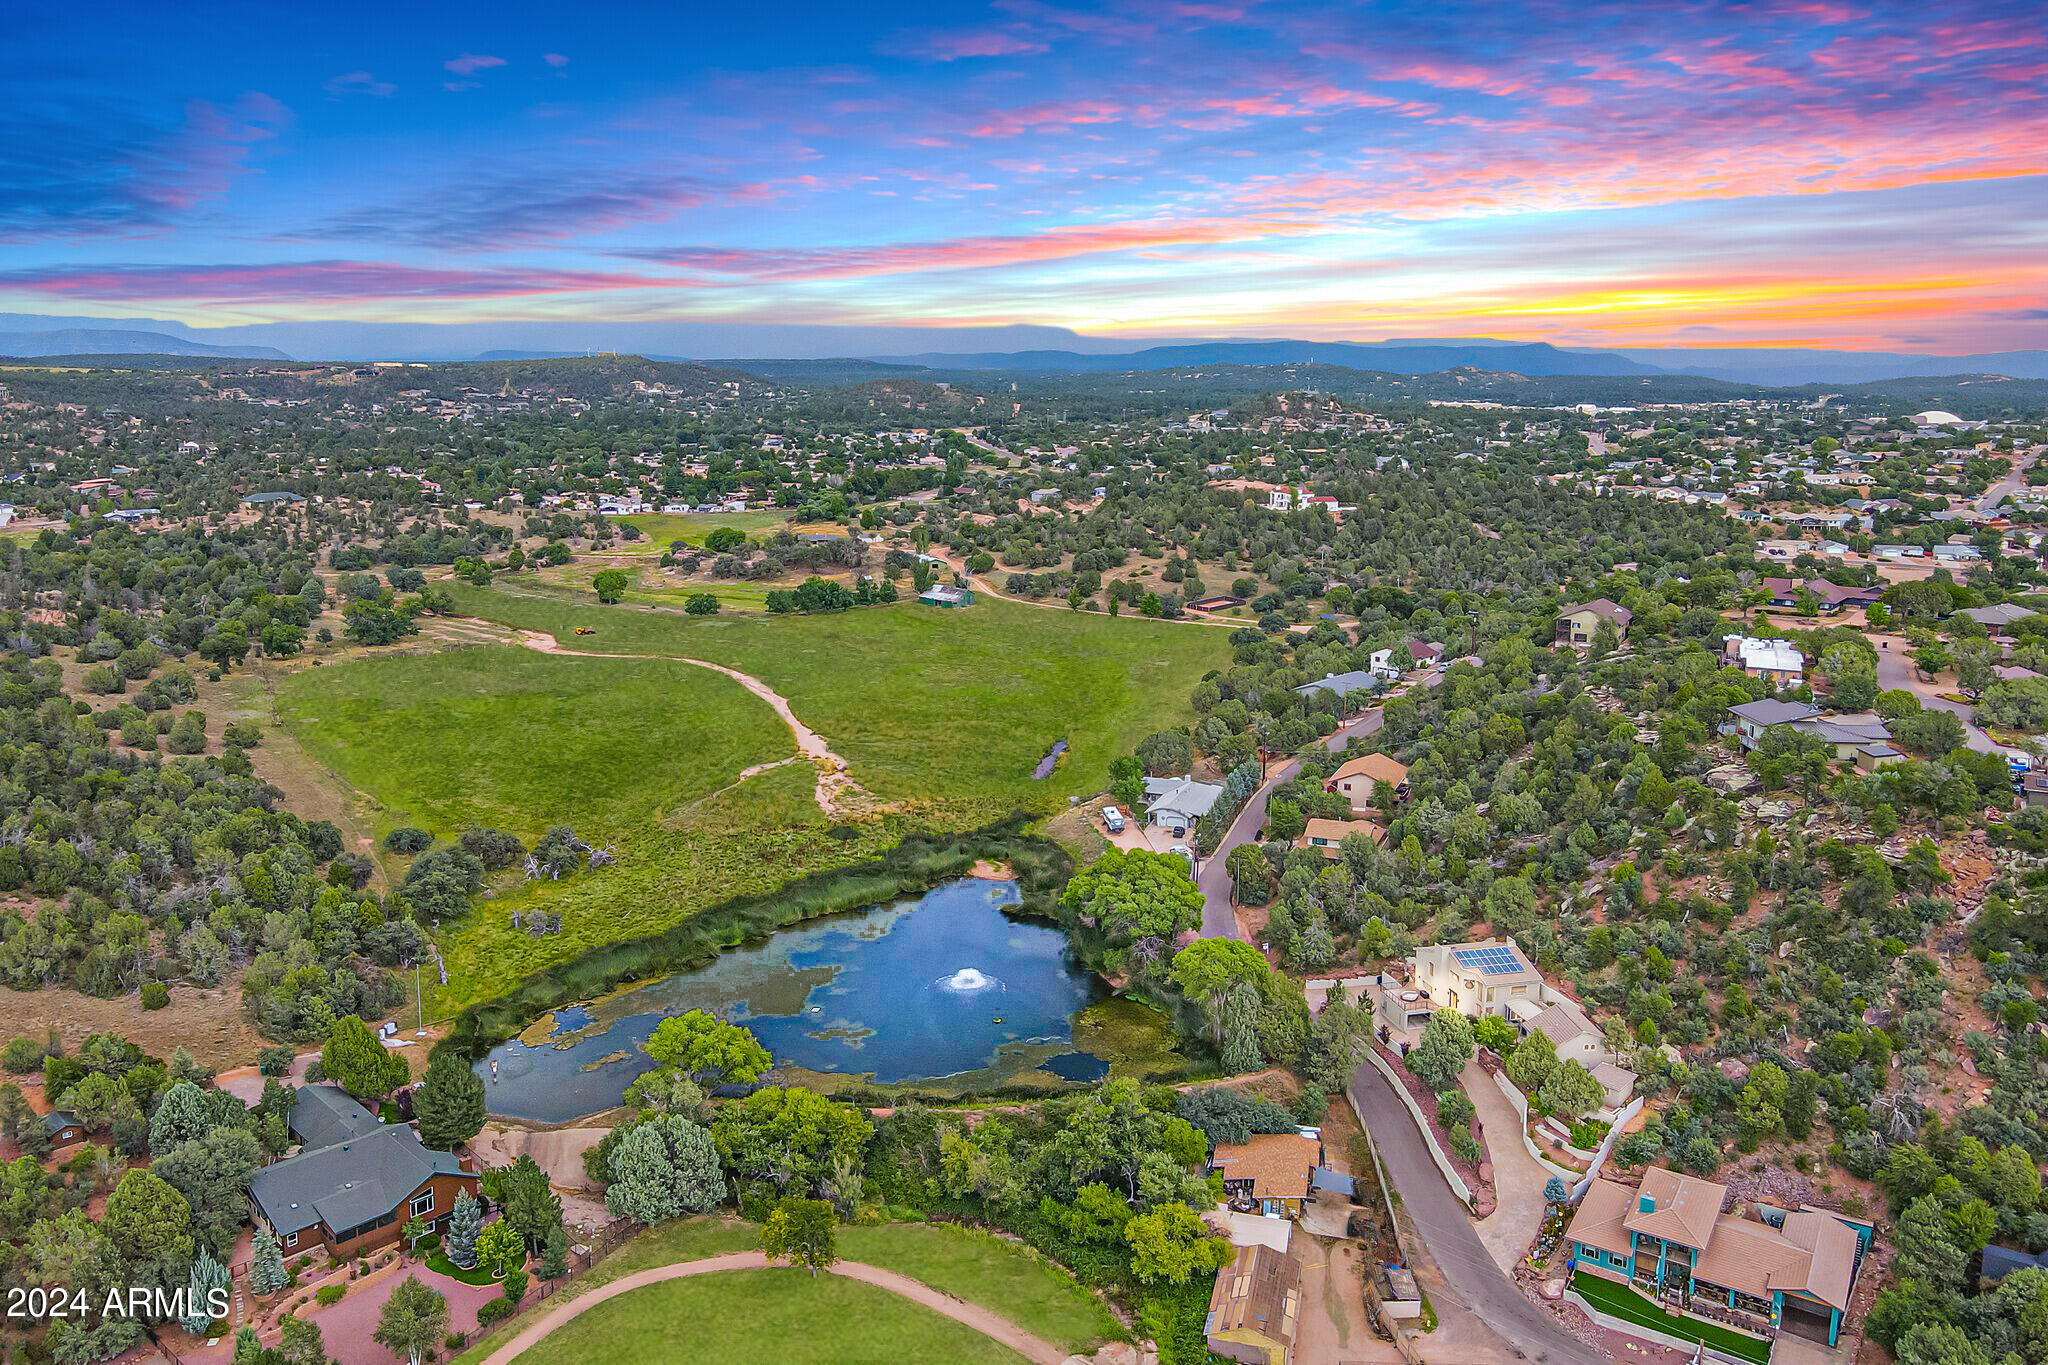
(967, 979)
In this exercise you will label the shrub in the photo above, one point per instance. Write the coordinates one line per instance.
(495, 1310)
(406, 839)
(22, 1054)
(329, 1294)
(1454, 1108)
(1465, 1146)
(275, 1061)
(155, 995)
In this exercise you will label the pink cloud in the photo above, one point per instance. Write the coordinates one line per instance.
(554, 59)
(953, 47)
(469, 63)
(962, 253)
(313, 282)
(212, 146)
(359, 83)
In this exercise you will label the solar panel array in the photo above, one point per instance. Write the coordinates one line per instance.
(1490, 961)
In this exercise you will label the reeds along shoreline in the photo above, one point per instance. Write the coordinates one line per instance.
(914, 866)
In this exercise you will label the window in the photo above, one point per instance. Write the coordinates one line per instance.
(291, 1239)
(423, 1204)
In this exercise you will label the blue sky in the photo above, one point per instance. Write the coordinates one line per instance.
(1807, 172)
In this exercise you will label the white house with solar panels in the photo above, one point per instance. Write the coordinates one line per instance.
(1495, 977)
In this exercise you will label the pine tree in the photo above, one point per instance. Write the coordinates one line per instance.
(464, 1223)
(207, 1276)
(266, 1268)
(449, 1102)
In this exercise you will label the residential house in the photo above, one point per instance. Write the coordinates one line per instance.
(1998, 619)
(355, 1181)
(1829, 597)
(1775, 661)
(1577, 624)
(1789, 1271)
(1997, 1262)
(1496, 978)
(1329, 835)
(1861, 738)
(1255, 1307)
(1273, 1171)
(1176, 804)
(1342, 684)
(1360, 779)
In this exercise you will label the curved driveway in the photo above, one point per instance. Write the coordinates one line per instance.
(1895, 670)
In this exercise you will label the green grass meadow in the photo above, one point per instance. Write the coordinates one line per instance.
(663, 529)
(635, 754)
(945, 712)
(941, 715)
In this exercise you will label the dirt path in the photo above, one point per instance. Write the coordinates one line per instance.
(839, 796)
(971, 1315)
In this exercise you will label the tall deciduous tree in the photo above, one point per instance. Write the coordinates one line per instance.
(803, 1232)
(413, 1321)
(708, 1050)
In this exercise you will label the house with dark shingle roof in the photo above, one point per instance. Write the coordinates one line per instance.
(355, 1182)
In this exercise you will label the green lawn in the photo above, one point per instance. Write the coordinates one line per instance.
(1619, 1301)
(945, 712)
(661, 529)
(982, 1268)
(1009, 1278)
(631, 752)
(744, 1317)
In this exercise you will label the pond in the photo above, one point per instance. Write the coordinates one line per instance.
(931, 987)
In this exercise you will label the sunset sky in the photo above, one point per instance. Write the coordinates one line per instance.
(1805, 172)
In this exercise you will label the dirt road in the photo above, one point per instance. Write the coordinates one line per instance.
(838, 794)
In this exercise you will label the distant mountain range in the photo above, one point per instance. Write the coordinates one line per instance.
(1388, 358)
(1021, 349)
(70, 341)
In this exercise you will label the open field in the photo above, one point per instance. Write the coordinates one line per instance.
(1000, 1275)
(944, 713)
(662, 529)
(741, 1317)
(639, 755)
(515, 740)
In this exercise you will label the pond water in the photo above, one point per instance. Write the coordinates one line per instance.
(936, 986)
(1049, 762)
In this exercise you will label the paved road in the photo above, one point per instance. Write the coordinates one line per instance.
(2010, 484)
(1471, 1276)
(1895, 670)
(1218, 919)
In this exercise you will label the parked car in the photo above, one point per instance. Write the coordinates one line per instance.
(1113, 819)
